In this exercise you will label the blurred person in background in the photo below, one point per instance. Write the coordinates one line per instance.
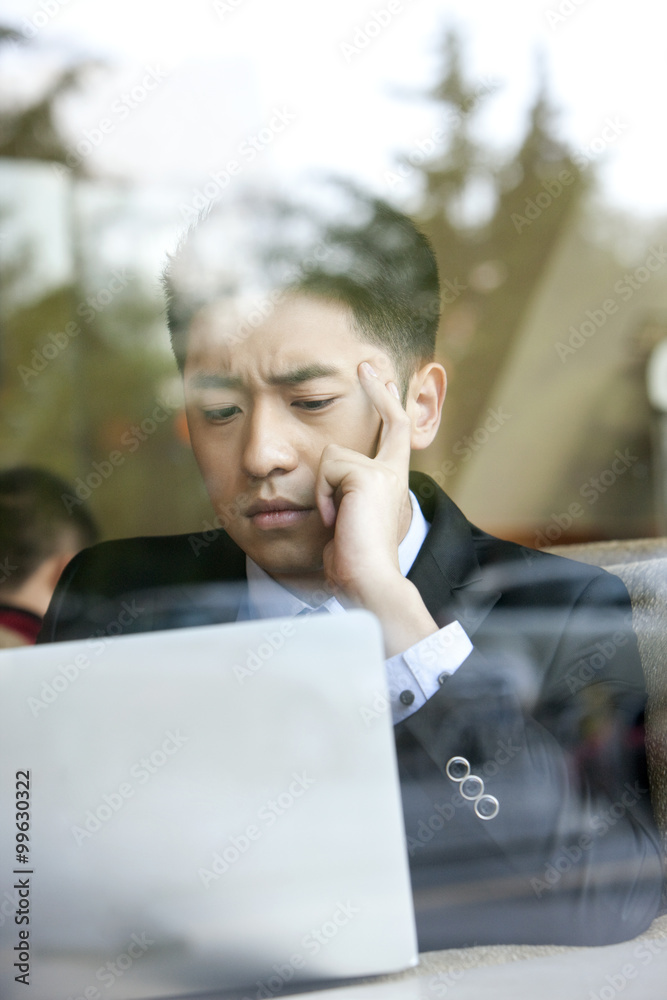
(38, 537)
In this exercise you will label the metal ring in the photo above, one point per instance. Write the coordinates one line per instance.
(472, 787)
(487, 806)
(456, 765)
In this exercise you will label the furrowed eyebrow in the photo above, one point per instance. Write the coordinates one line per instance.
(305, 374)
(209, 380)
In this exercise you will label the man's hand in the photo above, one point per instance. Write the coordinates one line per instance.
(367, 500)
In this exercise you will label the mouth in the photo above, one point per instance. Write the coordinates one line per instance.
(268, 514)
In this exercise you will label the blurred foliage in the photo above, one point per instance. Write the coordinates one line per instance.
(495, 221)
(490, 269)
(99, 410)
(32, 132)
(82, 383)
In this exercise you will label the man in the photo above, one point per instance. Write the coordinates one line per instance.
(37, 540)
(516, 688)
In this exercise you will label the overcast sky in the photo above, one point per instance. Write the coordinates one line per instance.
(346, 87)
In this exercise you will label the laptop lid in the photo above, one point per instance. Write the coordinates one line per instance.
(201, 809)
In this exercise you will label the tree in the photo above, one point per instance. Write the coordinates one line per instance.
(491, 265)
(81, 382)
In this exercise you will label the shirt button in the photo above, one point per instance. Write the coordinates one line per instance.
(406, 697)
(442, 678)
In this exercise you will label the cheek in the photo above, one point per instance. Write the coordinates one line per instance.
(355, 425)
(195, 429)
(216, 464)
(363, 433)
(200, 449)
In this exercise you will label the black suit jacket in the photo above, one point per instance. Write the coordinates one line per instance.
(547, 711)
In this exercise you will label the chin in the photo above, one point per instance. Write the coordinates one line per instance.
(289, 568)
(287, 556)
(286, 560)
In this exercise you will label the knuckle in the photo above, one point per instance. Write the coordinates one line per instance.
(331, 451)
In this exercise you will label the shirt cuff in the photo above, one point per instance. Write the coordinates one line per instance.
(415, 675)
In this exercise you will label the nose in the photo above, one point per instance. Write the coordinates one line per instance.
(268, 444)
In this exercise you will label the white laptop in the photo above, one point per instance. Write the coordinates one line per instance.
(200, 810)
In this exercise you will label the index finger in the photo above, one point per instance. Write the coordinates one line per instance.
(394, 445)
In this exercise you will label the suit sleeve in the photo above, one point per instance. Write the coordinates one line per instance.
(548, 712)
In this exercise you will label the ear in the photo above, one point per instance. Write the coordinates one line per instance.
(426, 394)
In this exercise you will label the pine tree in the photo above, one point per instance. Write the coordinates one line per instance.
(490, 266)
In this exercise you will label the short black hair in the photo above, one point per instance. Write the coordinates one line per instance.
(382, 268)
(34, 524)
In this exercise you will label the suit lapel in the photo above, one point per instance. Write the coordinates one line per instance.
(446, 571)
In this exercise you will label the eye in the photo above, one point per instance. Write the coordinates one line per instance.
(220, 415)
(313, 404)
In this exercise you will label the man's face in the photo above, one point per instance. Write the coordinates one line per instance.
(261, 411)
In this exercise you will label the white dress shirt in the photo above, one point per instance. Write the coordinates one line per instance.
(412, 676)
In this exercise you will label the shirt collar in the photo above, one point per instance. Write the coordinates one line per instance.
(266, 598)
(414, 538)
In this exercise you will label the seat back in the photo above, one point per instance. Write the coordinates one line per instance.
(642, 566)
(647, 585)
